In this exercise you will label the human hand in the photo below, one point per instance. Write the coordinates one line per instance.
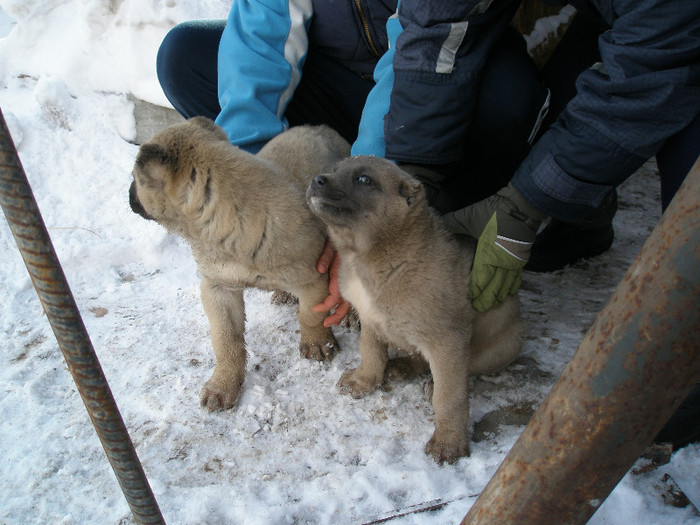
(334, 303)
(496, 270)
(506, 226)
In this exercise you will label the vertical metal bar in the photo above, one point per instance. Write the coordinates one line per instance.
(633, 368)
(33, 241)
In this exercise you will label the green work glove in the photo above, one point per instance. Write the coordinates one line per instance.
(506, 226)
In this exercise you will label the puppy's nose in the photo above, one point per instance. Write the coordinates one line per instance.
(320, 180)
(135, 203)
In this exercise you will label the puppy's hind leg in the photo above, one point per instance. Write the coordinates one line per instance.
(406, 367)
(497, 338)
(317, 341)
(224, 308)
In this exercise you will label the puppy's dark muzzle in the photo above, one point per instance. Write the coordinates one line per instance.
(328, 199)
(322, 186)
(318, 184)
(316, 187)
(135, 203)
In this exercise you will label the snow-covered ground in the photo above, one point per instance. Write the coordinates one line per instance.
(294, 450)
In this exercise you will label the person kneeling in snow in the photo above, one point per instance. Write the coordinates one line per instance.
(449, 93)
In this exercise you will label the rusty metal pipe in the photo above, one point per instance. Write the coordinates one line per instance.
(633, 368)
(33, 241)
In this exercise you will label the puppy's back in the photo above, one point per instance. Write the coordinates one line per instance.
(286, 149)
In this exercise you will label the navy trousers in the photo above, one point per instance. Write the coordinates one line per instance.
(187, 71)
(577, 51)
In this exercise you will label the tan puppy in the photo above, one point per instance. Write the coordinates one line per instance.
(408, 278)
(247, 222)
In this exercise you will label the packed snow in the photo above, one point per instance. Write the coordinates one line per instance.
(294, 450)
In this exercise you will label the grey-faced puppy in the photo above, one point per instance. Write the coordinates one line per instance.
(248, 224)
(408, 278)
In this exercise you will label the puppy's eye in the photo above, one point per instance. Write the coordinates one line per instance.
(363, 179)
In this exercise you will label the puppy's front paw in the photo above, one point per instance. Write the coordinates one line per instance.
(321, 351)
(215, 398)
(447, 448)
(351, 382)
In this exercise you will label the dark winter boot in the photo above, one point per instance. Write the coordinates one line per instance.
(560, 244)
(684, 426)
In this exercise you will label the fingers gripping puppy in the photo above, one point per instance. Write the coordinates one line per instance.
(408, 278)
(248, 225)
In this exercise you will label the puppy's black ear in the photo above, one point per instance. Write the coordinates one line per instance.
(209, 125)
(411, 190)
(154, 153)
(153, 163)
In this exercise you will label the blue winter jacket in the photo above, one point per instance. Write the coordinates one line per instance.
(263, 48)
(646, 89)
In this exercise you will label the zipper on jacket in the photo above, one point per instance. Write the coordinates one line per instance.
(365, 27)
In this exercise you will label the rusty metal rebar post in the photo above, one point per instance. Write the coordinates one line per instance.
(635, 365)
(33, 241)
